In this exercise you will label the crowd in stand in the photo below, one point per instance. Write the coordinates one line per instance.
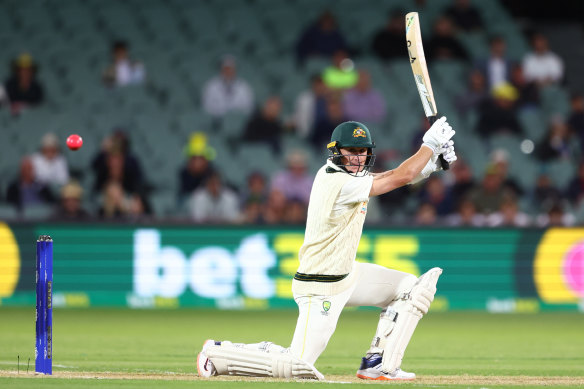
(497, 90)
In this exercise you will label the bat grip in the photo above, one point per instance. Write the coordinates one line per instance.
(445, 165)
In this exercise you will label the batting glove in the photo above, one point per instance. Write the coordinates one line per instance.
(433, 165)
(438, 135)
(447, 151)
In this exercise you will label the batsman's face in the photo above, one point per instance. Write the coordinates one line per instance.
(354, 158)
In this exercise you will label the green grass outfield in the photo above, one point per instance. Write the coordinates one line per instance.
(120, 348)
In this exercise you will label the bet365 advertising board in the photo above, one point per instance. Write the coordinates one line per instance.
(161, 266)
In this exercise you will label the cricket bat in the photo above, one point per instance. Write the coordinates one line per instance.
(420, 70)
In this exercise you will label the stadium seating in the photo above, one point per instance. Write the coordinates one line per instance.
(181, 42)
(7, 212)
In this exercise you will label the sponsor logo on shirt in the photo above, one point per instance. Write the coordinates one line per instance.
(326, 305)
(364, 207)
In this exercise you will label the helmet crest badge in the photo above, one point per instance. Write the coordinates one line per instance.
(359, 132)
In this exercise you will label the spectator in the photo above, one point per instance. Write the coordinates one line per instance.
(388, 43)
(265, 126)
(426, 215)
(541, 65)
(295, 212)
(500, 162)
(123, 70)
(252, 213)
(528, 90)
(116, 172)
(118, 204)
(22, 88)
(544, 195)
(322, 38)
(115, 203)
(436, 194)
(341, 74)
(498, 114)
(465, 16)
(395, 203)
(576, 118)
(50, 167)
(116, 162)
(490, 194)
(256, 190)
(26, 190)
(466, 216)
(198, 166)
(475, 95)
(275, 211)
(463, 181)
(310, 106)
(139, 208)
(254, 199)
(443, 45)
(508, 215)
(496, 68)
(363, 102)
(557, 142)
(214, 203)
(227, 92)
(70, 208)
(555, 217)
(335, 115)
(129, 200)
(575, 191)
(295, 182)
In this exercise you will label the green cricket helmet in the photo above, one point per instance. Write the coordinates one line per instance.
(351, 134)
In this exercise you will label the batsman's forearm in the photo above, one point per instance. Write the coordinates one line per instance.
(412, 166)
(403, 174)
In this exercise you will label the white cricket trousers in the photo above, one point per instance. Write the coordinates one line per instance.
(376, 286)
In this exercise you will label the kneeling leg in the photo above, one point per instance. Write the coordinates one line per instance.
(263, 359)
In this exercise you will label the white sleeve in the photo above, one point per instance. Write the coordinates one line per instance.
(356, 190)
(245, 97)
(231, 207)
(528, 68)
(212, 101)
(62, 171)
(557, 68)
(197, 207)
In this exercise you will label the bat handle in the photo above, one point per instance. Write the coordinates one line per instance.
(445, 165)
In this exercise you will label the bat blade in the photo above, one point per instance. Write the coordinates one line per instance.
(420, 70)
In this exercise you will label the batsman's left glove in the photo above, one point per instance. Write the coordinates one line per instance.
(447, 151)
(433, 165)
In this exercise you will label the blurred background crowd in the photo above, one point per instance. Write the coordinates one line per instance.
(219, 111)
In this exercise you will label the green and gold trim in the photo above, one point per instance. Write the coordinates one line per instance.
(319, 277)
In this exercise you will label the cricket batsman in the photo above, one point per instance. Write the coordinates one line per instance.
(329, 278)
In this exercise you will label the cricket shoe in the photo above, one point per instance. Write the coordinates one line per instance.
(205, 367)
(371, 370)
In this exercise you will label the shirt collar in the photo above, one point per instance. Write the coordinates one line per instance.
(330, 164)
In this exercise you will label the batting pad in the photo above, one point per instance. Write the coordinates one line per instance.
(410, 308)
(230, 359)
